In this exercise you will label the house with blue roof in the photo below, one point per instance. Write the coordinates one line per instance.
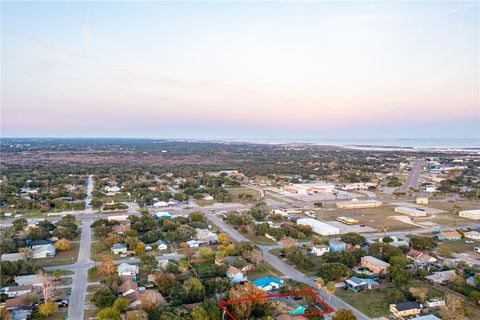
(358, 284)
(267, 283)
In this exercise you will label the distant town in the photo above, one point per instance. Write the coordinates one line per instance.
(114, 229)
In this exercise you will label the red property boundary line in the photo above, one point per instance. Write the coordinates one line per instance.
(221, 304)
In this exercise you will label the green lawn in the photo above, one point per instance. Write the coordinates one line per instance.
(63, 273)
(372, 303)
(264, 270)
(459, 246)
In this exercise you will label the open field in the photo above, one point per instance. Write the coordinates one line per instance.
(459, 246)
(61, 258)
(235, 192)
(372, 217)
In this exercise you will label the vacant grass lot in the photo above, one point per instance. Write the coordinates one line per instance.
(459, 246)
(235, 192)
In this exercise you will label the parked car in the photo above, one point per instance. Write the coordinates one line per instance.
(63, 303)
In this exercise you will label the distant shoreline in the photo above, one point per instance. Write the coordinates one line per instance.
(471, 145)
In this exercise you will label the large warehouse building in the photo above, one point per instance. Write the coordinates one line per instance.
(412, 212)
(310, 188)
(319, 227)
(470, 214)
(359, 204)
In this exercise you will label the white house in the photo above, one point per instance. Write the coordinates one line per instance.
(430, 188)
(194, 243)
(442, 276)
(32, 279)
(126, 269)
(206, 235)
(112, 188)
(436, 303)
(119, 248)
(320, 250)
(16, 291)
(44, 251)
(160, 204)
(12, 257)
(235, 275)
(161, 245)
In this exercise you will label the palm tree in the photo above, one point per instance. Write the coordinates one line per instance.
(57, 273)
(330, 289)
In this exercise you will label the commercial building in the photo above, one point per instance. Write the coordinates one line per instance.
(319, 227)
(412, 212)
(359, 204)
(475, 235)
(422, 200)
(310, 188)
(449, 235)
(287, 211)
(357, 186)
(375, 265)
(470, 214)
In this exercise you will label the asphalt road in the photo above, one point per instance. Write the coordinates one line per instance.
(412, 179)
(289, 271)
(80, 277)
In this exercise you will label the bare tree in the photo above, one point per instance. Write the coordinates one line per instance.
(48, 287)
(151, 299)
(420, 294)
(287, 242)
(255, 256)
(27, 253)
(453, 309)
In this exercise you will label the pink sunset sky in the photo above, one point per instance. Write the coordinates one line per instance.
(240, 70)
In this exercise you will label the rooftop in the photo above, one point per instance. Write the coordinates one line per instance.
(376, 261)
(407, 305)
